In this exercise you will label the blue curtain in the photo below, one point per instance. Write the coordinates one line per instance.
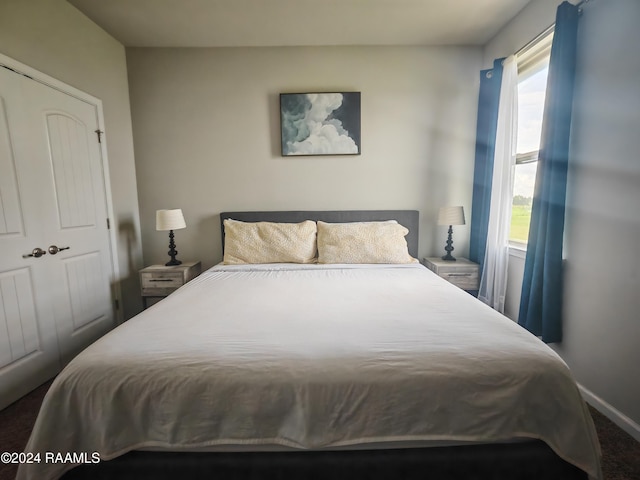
(489, 98)
(541, 300)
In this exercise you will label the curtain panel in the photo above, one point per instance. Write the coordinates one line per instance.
(488, 101)
(493, 280)
(542, 290)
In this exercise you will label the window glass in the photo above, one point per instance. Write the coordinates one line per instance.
(531, 94)
(532, 86)
(525, 177)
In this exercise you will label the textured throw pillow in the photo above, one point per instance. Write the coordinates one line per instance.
(363, 242)
(268, 242)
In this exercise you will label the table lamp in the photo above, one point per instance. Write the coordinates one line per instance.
(170, 220)
(450, 216)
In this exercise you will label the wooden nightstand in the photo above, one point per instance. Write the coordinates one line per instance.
(462, 273)
(158, 281)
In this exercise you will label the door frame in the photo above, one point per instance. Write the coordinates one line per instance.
(22, 69)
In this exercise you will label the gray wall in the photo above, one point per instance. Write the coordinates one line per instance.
(602, 234)
(55, 38)
(207, 136)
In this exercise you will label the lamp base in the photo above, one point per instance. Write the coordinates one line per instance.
(172, 251)
(449, 248)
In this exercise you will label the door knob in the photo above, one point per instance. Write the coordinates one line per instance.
(53, 249)
(36, 252)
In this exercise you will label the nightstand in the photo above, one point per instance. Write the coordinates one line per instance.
(462, 273)
(158, 281)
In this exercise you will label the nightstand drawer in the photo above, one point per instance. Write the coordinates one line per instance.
(462, 273)
(154, 282)
(161, 280)
(464, 280)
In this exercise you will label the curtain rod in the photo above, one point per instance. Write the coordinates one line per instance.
(581, 5)
(532, 43)
(547, 30)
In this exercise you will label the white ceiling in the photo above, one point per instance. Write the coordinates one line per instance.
(235, 23)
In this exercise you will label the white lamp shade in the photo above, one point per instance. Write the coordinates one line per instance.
(170, 219)
(451, 216)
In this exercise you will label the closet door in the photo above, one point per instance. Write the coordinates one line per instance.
(73, 214)
(52, 197)
(28, 337)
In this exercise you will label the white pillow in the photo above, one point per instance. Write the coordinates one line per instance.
(268, 242)
(363, 242)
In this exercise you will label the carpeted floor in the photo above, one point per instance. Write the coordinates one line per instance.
(16, 422)
(620, 452)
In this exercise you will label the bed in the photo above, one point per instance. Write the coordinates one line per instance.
(307, 370)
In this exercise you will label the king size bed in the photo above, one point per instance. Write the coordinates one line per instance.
(333, 354)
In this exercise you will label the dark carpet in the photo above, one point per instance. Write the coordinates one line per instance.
(620, 451)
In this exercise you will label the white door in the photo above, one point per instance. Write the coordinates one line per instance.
(52, 194)
(28, 339)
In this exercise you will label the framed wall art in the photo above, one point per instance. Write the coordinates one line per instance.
(320, 123)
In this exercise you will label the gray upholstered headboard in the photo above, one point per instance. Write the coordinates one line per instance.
(407, 218)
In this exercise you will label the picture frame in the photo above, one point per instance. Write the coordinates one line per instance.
(320, 123)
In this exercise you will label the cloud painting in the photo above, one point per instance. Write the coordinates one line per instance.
(320, 123)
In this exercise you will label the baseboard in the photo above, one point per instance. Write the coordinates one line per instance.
(616, 416)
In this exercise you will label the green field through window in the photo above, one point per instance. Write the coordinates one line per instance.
(520, 219)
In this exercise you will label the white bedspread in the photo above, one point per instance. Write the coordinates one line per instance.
(312, 357)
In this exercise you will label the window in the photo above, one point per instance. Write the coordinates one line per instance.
(533, 67)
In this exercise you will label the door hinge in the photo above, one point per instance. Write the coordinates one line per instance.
(99, 133)
(108, 224)
(116, 302)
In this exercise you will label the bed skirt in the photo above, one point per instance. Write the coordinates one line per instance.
(524, 460)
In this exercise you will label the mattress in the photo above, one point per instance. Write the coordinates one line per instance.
(312, 357)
